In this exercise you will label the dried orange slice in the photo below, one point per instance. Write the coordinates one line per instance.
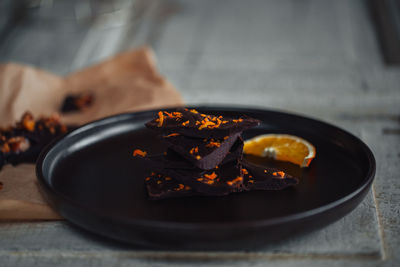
(282, 147)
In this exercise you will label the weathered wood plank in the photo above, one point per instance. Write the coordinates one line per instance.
(355, 234)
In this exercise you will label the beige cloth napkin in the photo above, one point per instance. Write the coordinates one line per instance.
(127, 82)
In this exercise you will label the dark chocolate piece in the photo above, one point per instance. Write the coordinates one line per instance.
(77, 102)
(225, 179)
(12, 148)
(194, 124)
(254, 177)
(28, 156)
(23, 143)
(202, 153)
(160, 186)
(172, 160)
(264, 178)
(2, 160)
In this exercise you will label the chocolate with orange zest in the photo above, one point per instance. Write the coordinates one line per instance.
(77, 102)
(264, 178)
(24, 141)
(192, 123)
(226, 179)
(253, 177)
(172, 160)
(204, 157)
(202, 153)
(160, 186)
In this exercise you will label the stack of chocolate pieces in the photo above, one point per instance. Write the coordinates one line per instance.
(205, 157)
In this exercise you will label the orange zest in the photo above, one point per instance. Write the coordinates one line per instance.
(194, 150)
(205, 181)
(237, 179)
(206, 124)
(207, 121)
(160, 118)
(213, 144)
(5, 148)
(180, 186)
(177, 115)
(140, 153)
(171, 135)
(28, 122)
(280, 173)
(211, 176)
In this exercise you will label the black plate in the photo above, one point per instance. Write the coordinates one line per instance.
(93, 181)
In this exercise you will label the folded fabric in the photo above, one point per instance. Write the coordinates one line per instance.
(127, 82)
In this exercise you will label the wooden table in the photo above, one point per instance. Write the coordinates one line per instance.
(318, 58)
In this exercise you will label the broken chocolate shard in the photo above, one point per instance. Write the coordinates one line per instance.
(77, 102)
(264, 178)
(160, 187)
(225, 179)
(172, 160)
(202, 153)
(28, 156)
(191, 123)
(23, 142)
